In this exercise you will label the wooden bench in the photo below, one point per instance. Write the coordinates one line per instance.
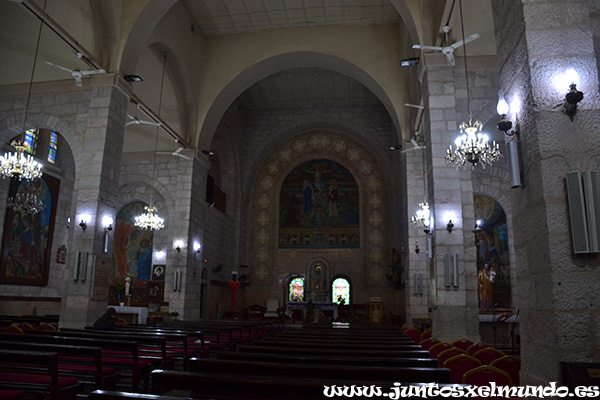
(81, 362)
(328, 360)
(255, 387)
(119, 354)
(315, 371)
(115, 395)
(35, 372)
(336, 345)
(333, 352)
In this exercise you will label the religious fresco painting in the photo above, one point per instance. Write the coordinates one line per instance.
(319, 207)
(27, 241)
(493, 268)
(132, 247)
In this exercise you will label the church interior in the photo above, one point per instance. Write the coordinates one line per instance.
(424, 165)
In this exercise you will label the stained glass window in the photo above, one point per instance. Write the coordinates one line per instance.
(52, 147)
(30, 141)
(340, 289)
(296, 289)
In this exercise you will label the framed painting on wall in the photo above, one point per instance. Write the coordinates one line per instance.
(27, 239)
(156, 291)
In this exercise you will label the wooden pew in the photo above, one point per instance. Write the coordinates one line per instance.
(336, 345)
(314, 371)
(35, 372)
(293, 358)
(81, 362)
(333, 352)
(119, 354)
(255, 387)
(114, 395)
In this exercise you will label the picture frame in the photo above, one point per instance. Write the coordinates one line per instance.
(27, 238)
(156, 291)
(139, 294)
(158, 272)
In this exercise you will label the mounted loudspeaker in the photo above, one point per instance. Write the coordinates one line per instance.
(582, 192)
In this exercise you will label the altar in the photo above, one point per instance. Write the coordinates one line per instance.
(301, 305)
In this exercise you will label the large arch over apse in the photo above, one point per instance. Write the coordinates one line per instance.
(282, 62)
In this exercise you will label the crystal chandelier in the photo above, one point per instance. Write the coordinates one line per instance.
(471, 145)
(149, 220)
(25, 202)
(422, 216)
(19, 164)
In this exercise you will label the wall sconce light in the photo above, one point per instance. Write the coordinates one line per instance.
(574, 96)
(477, 227)
(197, 247)
(417, 250)
(178, 246)
(85, 219)
(505, 124)
(450, 226)
(107, 223)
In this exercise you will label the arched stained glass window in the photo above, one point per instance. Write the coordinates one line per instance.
(340, 290)
(52, 147)
(30, 141)
(296, 289)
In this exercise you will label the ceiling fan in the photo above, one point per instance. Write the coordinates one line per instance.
(177, 152)
(136, 121)
(416, 146)
(76, 73)
(448, 51)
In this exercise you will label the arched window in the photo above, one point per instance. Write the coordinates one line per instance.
(52, 147)
(340, 291)
(30, 140)
(296, 289)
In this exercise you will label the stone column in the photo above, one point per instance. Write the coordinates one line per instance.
(96, 193)
(454, 313)
(558, 291)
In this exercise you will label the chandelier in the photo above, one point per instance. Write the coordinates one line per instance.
(19, 164)
(422, 217)
(25, 202)
(149, 220)
(471, 145)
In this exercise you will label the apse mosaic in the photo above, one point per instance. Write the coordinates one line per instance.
(493, 268)
(132, 245)
(319, 207)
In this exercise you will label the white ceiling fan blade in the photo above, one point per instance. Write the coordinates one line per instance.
(134, 122)
(60, 67)
(151, 123)
(450, 59)
(467, 40)
(130, 117)
(178, 150)
(414, 143)
(418, 107)
(184, 156)
(93, 72)
(418, 46)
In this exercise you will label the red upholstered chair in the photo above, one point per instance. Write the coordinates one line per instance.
(427, 343)
(46, 327)
(462, 343)
(511, 365)
(403, 329)
(12, 329)
(25, 326)
(449, 353)
(460, 364)
(438, 348)
(487, 355)
(426, 334)
(474, 348)
(484, 375)
(414, 334)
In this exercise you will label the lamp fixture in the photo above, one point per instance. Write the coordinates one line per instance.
(150, 220)
(208, 152)
(178, 246)
(25, 201)
(422, 217)
(417, 250)
(197, 247)
(133, 78)
(19, 164)
(450, 226)
(505, 124)
(573, 96)
(395, 147)
(471, 145)
(477, 227)
(85, 219)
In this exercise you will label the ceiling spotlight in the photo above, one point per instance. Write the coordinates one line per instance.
(208, 152)
(395, 147)
(409, 62)
(133, 78)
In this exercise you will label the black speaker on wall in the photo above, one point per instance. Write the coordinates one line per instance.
(582, 192)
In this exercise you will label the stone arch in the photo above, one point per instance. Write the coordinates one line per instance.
(282, 62)
(343, 149)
